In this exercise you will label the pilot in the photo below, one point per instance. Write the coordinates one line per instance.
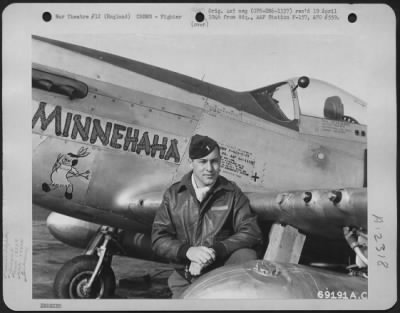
(204, 220)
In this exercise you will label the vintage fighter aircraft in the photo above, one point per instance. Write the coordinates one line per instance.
(111, 134)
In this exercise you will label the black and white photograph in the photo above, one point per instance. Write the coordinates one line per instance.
(174, 153)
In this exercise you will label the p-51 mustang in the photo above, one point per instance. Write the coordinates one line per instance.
(111, 134)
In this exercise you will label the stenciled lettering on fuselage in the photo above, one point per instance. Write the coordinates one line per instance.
(54, 120)
(239, 164)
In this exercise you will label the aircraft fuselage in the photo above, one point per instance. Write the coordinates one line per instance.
(134, 122)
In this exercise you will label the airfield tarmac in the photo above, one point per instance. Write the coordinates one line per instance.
(136, 279)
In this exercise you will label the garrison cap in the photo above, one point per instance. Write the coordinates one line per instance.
(201, 146)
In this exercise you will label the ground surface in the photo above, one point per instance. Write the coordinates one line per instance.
(135, 278)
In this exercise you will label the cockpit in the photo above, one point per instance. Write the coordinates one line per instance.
(276, 100)
(324, 100)
(284, 102)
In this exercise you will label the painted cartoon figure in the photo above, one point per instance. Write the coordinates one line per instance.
(64, 169)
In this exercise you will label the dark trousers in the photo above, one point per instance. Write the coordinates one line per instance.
(177, 284)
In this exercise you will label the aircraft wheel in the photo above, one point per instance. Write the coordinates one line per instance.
(73, 277)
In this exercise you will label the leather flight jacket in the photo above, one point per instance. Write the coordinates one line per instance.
(222, 221)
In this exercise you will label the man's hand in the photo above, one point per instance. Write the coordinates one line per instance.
(201, 255)
(195, 268)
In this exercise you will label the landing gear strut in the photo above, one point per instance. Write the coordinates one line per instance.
(90, 276)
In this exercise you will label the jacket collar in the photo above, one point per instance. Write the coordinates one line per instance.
(221, 183)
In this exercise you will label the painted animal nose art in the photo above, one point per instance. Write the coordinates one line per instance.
(64, 170)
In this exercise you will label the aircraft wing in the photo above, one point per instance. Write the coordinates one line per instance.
(321, 212)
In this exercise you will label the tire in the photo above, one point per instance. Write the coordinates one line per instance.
(71, 278)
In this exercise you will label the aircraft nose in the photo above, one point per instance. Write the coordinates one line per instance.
(37, 140)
